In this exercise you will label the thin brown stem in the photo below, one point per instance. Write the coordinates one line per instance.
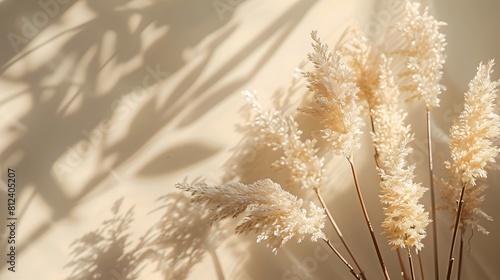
(367, 219)
(450, 266)
(433, 197)
(217, 265)
(349, 266)
(339, 233)
(455, 231)
(401, 263)
(460, 255)
(376, 156)
(412, 270)
(421, 264)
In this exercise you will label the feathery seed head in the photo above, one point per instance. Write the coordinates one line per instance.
(472, 135)
(335, 99)
(274, 214)
(363, 59)
(280, 132)
(388, 119)
(424, 50)
(406, 219)
(472, 148)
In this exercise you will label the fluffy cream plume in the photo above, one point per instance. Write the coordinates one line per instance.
(335, 99)
(424, 54)
(472, 147)
(406, 219)
(477, 126)
(272, 213)
(275, 130)
(388, 119)
(364, 61)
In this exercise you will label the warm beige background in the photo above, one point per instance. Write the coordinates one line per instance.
(102, 100)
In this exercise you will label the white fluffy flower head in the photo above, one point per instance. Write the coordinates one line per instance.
(472, 136)
(280, 132)
(472, 148)
(424, 51)
(275, 215)
(335, 99)
(406, 220)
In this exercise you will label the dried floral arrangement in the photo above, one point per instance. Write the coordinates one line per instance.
(359, 82)
(349, 83)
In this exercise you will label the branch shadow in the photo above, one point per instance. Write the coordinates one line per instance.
(177, 158)
(183, 236)
(173, 245)
(23, 22)
(70, 119)
(67, 121)
(107, 252)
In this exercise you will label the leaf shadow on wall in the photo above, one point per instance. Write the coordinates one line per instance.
(172, 246)
(69, 119)
(177, 158)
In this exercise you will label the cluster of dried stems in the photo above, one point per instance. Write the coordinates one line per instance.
(357, 80)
